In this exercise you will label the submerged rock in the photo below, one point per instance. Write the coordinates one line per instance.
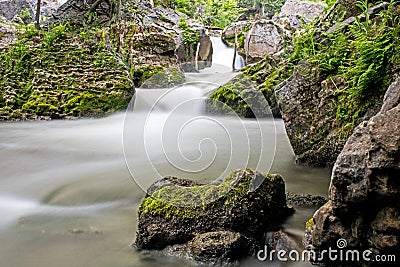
(179, 211)
(363, 206)
(305, 200)
(214, 247)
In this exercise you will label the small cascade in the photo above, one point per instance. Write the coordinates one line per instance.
(189, 97)
(239, 62)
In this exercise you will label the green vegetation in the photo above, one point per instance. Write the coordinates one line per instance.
(231, 98)
(190, 36)
(170, 201)
(268, 6)
(310, 223)
(220, 13)
(164, 78)
(363, 55)
(25, 15)
(46, 73)
(210, 12)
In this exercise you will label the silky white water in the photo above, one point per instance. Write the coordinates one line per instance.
(69, 190)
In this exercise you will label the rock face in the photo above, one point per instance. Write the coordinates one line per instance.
(264, 37)
(307, 10)
(363, 205)
(91, 72)
(24, 10)
(267, 36)
(304, 113)
(153, 36)
(306, 102)
(243, 206)
(12, 8)
(69, 76)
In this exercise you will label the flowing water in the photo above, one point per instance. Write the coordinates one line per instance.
(69, 190)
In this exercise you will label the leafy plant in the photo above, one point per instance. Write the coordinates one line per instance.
(190, 36)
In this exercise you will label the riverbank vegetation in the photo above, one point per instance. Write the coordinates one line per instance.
(364, 53)
(222, 13)
(60, 72)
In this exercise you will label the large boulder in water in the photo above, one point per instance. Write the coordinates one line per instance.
(177, 211)
(364, 193)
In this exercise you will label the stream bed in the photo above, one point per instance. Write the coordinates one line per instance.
(69, 190)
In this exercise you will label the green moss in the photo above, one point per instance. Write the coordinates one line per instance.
(190, 36)
(170, 201)
(140, 75)
(62, 71)
(310, 223)
(263, 76)
(231, 98)
(165, 78)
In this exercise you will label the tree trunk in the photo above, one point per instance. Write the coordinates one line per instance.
(37, 18)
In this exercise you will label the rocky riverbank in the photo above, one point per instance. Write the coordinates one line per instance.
(325, 81)
(337, 91)
(363, 206)
(87, 60)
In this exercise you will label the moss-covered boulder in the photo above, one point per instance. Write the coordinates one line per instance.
(176, 210)
(165, 78)
(251, 93)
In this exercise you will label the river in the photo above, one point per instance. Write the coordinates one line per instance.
(69, 190)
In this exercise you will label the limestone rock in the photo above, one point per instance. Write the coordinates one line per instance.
(305, 103)
(8, 35)
(178, 210)
(12, 8)
(152, 36)
(305, 9)
(23, 11)
(363, 205)
(214, 247)
(264, 37)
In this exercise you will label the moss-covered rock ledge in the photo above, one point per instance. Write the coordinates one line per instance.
(238, 210)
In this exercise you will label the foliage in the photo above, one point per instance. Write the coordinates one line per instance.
(362, 55)
(310, 223)
(25, 15)
(268, 6)
(44, 73)
(190, 36)
(221, 13)
(188, 7)
(210, 12)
